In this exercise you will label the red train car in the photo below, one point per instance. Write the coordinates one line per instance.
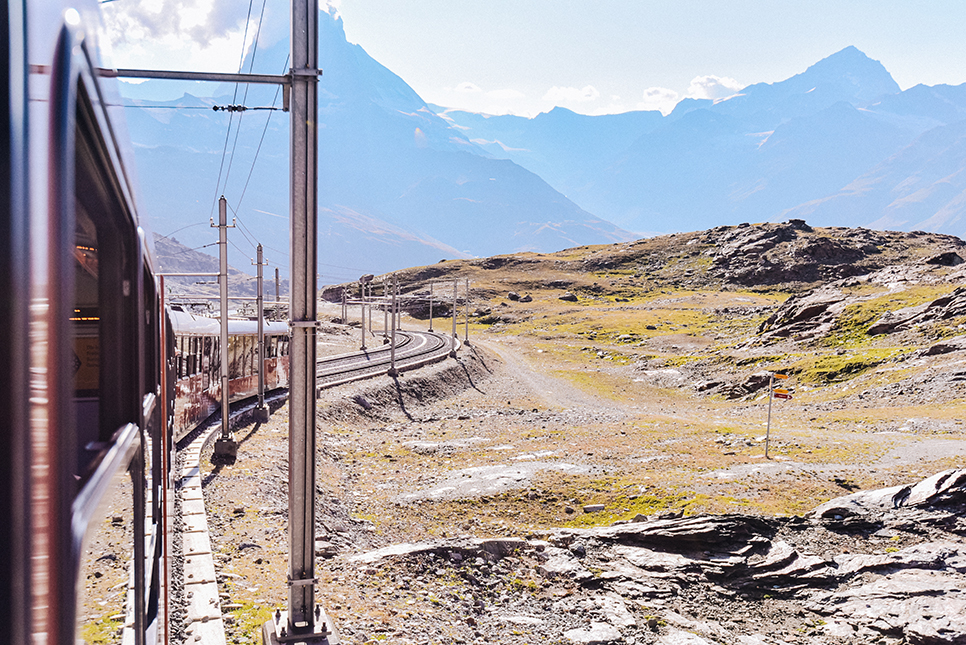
(197, 364)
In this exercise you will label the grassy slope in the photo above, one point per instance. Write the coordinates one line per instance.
(666, 304)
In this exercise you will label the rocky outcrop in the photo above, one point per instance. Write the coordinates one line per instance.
(944, 308)
(886, 566)
(814, 313)
(783, 253)
(807, 315)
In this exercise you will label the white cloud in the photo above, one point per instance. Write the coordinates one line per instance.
(559, 95)
(187, 34)
(701, 87)
(659, 98)
(713, 87)
(505, 95)
(470, 96)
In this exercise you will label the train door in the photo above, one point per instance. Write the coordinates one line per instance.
(90, 316)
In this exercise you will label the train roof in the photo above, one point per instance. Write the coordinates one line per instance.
(185, 324)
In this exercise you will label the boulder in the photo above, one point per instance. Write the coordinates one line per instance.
(947, 259)
(596, 634)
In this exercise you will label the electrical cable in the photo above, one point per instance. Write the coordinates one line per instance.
(180, 229)
(262, 139)
(203, 246)
(238, 248)
(251, 66)
(245, 231)
(231, 116)
(216, 108)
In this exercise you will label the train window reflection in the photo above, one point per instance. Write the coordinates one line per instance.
(105, 568)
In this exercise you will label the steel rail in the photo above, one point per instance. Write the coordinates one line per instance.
(415, 350)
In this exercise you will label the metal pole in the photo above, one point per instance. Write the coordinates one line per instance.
(302, 617)
(392, 347)
(430, 306)
(261, 410)
(466, 338)
(225, 447)
(396, 311)
(278, 296)
(166, 483)
(771, 394)
(452, 352)
(362, 299)
(385, 310)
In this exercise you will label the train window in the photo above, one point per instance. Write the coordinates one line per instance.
(208, 348)
(233, 368)
(214, 360)
(189, 356)
(254, 356)
(104, 318)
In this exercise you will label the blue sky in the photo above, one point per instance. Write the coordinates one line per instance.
(526, 56)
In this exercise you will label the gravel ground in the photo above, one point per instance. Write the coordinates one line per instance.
(495, 447)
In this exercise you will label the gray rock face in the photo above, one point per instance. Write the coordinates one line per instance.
(596, 634)
(776, 253)
(947, 487)
(806, 315)
(944, 308)
(886, 566)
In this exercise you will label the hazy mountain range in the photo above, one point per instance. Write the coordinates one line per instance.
(403, 183)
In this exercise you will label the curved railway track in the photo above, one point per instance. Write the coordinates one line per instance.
(413, 349)
(204, 619)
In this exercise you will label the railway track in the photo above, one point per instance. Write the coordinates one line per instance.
(413, 349)
(204, 619)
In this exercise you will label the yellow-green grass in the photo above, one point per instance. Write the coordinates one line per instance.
(852, 326)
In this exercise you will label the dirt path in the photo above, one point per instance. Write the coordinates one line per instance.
(552, 391)
(509, 442)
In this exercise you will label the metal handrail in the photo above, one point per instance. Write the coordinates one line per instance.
(114, 463)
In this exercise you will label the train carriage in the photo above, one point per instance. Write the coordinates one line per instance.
(87, 349)
(197, 361)
(82, 395)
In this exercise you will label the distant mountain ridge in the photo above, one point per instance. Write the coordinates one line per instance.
(839, 144)
(397, 184)
(403, 183)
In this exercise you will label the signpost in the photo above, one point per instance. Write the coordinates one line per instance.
(774, 393)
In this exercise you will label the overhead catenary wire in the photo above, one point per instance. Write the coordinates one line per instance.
(245, 231)
(231, 115)
(251, 66)
(216, 108)
(232, 109)
(262, 139)
(180, 229)
(237, 248)
(203, 246)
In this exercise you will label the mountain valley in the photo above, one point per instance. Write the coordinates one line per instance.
(593, 467)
